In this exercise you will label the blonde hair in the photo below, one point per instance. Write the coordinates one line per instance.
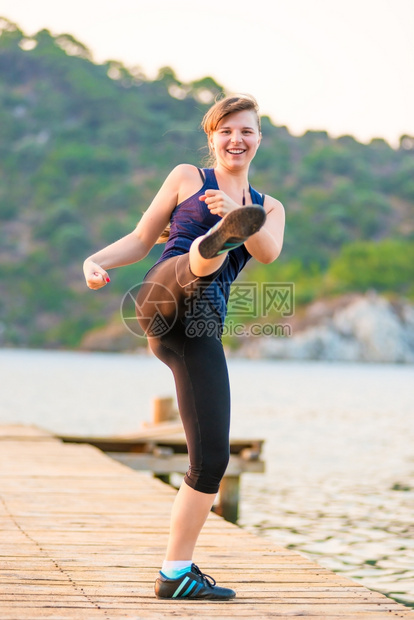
(164, 236)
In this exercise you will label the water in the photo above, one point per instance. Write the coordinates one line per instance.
(339, 481)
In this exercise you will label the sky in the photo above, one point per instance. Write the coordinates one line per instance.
(344, 66)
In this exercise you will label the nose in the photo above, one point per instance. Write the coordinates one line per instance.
(236, 137)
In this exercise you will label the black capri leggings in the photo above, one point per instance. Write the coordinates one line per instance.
(197, 361)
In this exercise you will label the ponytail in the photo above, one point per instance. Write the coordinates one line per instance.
(164, 236)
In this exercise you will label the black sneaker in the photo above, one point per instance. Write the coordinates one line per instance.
(233, 230)
(192, 585)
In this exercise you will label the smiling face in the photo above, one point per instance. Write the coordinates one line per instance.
(236, 139)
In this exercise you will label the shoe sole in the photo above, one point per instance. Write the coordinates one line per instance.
(210, 597)
(195, 598)
(236, 227)
(187, 599)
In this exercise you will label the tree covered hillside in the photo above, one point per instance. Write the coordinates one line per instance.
(84, 147)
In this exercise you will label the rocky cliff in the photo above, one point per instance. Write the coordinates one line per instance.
(355, 328)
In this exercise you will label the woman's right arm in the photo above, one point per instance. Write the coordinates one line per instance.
(136, 245)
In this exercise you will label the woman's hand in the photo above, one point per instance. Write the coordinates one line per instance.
(95, 276)
(218, 202)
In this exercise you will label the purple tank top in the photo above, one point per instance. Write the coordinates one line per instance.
(192, 218)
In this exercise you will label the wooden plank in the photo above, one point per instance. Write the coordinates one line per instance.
(190, 613)
(23, 432)
(83, 537)
(23, 612)
(136, 442)
(178, 463)
(168, 434)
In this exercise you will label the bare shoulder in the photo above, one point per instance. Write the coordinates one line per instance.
(188, 181)
(185, 172)
(272, 204)
(180, 181)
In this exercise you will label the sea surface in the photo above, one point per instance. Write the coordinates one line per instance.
(339, 445)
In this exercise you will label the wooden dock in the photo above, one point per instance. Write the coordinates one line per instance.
(83, 536)
(167, 454)
(161, 448)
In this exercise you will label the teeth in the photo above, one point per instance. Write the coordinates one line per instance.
(236, 151)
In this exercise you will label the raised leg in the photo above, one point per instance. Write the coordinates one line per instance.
(203, 266)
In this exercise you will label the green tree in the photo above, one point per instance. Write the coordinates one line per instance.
(385, 266)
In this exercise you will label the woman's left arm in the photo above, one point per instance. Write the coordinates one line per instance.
(266, 245)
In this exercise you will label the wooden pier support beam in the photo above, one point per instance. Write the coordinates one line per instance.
(229, 497)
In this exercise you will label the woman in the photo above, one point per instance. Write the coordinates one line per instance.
(216, 222)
